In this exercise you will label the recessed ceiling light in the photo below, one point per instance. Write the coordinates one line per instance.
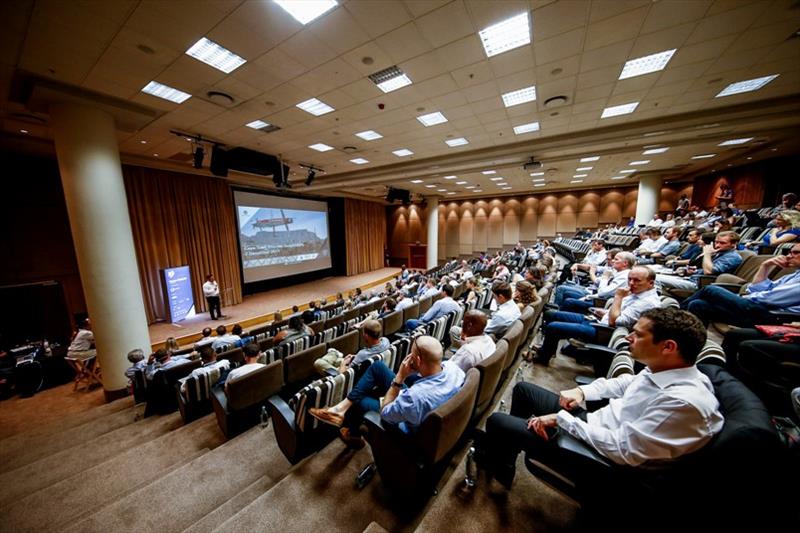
(590, 159)
(580, 175)
(477, 190)
(526, 128)
(497, 178)
(581, 169)
(487, 172)
(506, 35)
(617, 110)
(431, 186)
(402, 152)
(166, 92)
(733, 142)
(359, 161)
(23, 131)
(217, 56)
(306, 11)
(643, 162)
(456, 142)
(655, 151)
(506, 188)
(390, 79)
(501, 184)
(450, 177)
(155, 155)
(520, 96)
(654, 133)
(470, 187)
(461, 183)
(369, 135)
(537, 173)
(646, 64)
(321, 147)
(140, 142)
(539, 184)
(417, 181)
(703, 156)
(627, 171)
(441, 190)
(576, 181)
(537, 179)
(257, 124)
(746, 86)
(619, 177)
(431, 119)
(450, 193)
(315, 107)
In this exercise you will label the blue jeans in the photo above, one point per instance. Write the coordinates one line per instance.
(413, 323)
(575, 305)
(568, 291)
(366, 393)
(563, 325)
(713, 303)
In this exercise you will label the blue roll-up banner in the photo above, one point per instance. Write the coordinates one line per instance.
(178, 285)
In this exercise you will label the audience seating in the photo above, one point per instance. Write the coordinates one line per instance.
(193, 393)
(392, 323)
(240, 406)
(161, 389)
(491, 372)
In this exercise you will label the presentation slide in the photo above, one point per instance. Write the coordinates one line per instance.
(281, 236)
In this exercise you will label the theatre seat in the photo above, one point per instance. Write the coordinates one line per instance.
(347, 343)
(409, 465)
(392, 323)
(412, 311)
(513, 336)
(425, 304)
(240, 408)
(161, 389)
(491, 370)
(193, 393)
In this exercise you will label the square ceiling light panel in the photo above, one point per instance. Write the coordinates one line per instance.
(166, 92)
(390, 79)
(369, 135)
(321, 147)
(617, 110)
(315, 107)
(217, 56)
(526, 128)
(520, 96)
(431, 119)
(461, 141)
(646, 64)
(304, 11)
(506, 35)
(403, 152)
(746, 86)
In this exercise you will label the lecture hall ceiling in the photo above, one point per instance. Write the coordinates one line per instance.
(575, 59)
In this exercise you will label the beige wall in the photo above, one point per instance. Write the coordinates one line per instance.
(470, 226)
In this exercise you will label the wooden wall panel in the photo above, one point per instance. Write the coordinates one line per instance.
(480, 234)
(495, 226)
(452, 244)
(611, 206)
(567, 208)
(529, 222)
(442, 241)
(511, 222)
(588, 219)
(466, 244)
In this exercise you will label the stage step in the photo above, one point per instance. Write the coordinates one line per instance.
(50, 469)
(202, 486)
(22, 451)
(86, 492)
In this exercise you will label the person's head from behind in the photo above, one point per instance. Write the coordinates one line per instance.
(251, 353)
(307, 317)
(667, 338)
(135, 356)
(221, 330)
(84, 323)
(312, 304)
(277, 317)
(207, 354)
(448, 290)
(295, 309)
(171, 344)
(693, 236)
(726, 240)
(523, 292)
(641, 279)
(162, 355)
(296, 323)
(501, 291)
(237, 330)
(474, 324)
(371, 332)
(426, 355)
(207, 332)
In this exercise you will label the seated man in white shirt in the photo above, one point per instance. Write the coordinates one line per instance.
(224, 338)
(251, 364)
(476, 345)
(507, 310)
(666, 411)
(654, 241)
(82, 345)
(210, 365)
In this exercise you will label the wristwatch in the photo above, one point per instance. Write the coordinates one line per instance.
(396, 384)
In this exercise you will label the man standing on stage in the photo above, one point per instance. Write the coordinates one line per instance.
(211, 292)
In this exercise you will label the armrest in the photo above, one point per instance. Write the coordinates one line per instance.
(784, 316)
(373, 421)
(599, 302)
(705, 279)
(280, 411)
(569, 443)
(219, 399)
(733, 287)
(603, 333)
(584, 380)
(332, 372)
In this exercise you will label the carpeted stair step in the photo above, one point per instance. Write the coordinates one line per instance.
(319, 494)
(212, 520)
(20, 451)
(52, 468)
(203, 486)
(84, 493)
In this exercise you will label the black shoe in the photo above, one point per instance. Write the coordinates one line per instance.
(504, 475)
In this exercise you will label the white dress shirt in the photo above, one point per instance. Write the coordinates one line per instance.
(243, 370)
(211, 288)
(503, 317)
(83, 341)
(606, 287)
(633, 306)
(402, 304)
(595, 258)
(651, 416)
(473, 351)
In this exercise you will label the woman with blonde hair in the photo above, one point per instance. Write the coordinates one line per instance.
(787, 229)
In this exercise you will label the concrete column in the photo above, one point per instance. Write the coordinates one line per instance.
(88, 159)
(648, 198)
(433, 232)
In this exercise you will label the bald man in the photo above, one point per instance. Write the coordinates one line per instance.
(476, 346)
(422, 384)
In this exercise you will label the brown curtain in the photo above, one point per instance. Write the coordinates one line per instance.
(182, 219)
(365, 234)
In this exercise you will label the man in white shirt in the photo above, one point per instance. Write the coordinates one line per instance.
(507, 310)
(476, 346)
(251, 364)
(224, 338)
(403, 301)
(82, 345)
(654, 241)
(211, 292)
(666, 411)
(603, 286)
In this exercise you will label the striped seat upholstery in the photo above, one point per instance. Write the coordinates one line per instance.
(623, 362)
(197, 387)
(320, 393)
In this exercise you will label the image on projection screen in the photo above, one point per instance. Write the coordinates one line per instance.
(281, 236)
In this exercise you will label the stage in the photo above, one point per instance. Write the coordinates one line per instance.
(259, 308)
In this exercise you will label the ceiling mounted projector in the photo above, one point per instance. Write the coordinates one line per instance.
(532, 164)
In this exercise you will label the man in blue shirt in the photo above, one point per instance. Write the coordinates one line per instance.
(422, 384)
(717, 304)
(670, 247)
(719, 258)
(694, 249)
(439, 308)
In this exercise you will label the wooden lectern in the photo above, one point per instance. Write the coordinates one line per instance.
(418, 256)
